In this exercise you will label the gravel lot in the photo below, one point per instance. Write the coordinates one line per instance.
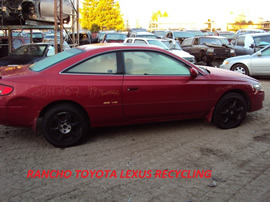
(239, 160)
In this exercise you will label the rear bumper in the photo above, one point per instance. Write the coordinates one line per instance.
(3, 116)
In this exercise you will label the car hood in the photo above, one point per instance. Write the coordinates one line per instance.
(239, 58)
(227, 75)
(19, 60)
(14, 70)
(181, 53)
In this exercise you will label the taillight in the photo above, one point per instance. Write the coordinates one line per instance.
(5, 90)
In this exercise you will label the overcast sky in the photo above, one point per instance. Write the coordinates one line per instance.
(140, 11)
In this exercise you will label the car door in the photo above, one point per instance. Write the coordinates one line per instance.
(157, 86)
(239, 45)
(260, 64)
(98, 85)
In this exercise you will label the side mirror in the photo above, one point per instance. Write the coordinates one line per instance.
(252, 46)
(259, 53)
(193, 72)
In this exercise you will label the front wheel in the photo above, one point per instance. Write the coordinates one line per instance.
(241, 69)
(230, 111)
(65, 125)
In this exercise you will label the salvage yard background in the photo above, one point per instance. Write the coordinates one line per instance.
(238, 158)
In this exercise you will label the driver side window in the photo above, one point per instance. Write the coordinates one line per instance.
(153, 63)
(266, 52)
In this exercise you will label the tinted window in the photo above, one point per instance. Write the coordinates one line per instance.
(102, 64)
(30, 50)
(153, 63)
(49, 61)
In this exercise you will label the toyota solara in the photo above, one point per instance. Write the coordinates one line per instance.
(107, 85)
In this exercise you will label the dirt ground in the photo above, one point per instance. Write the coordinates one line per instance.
(238, 159)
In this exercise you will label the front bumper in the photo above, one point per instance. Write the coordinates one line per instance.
(256, 102)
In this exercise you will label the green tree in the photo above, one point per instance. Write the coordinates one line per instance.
(165, 15)
(103, 13)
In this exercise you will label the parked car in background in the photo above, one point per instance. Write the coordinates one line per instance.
(18, 12)
(195, 32)
(114, 38)
(27, 54)
(51, 41)
(143, 35)
(85, 37)
(249, 31)
(248, 44)
(101, 34)
(16, 43)
(132, 30)
(208, 50)
(228, 34)
(164, 44)
(146, 41)
(37, 36)
(159, 33)
(108, 85)
(257, 64)
(175, 47)
(178, 35)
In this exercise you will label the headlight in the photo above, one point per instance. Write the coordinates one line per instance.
(257, 86)
(210, 50)
(226, 62)
(232, 51)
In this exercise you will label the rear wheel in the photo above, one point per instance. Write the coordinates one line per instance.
(65, 125)
(230, 111)
(241, 69)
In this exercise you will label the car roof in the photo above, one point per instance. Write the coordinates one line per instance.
(144, 33)
(116, 46)
(258, 34)
(142, 38)
(216, 37)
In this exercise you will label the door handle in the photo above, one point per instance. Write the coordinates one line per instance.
(132, 89)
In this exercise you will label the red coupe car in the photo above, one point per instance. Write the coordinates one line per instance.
(113, 84)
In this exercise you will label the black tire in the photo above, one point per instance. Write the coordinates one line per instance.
(65, 125)
(240, 68)
(230, 111)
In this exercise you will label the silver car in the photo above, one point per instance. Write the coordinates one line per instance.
(20, 12)
(257, 64)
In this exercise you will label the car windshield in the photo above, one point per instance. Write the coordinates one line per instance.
(159, 33)
(171, 45)
(213, 41)
(49, 61)
(224, 41)
(34, 50)
(183, 34)
(101, 35)
(227, 35)
(158, 43)
(262, 40)
(116, 37)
